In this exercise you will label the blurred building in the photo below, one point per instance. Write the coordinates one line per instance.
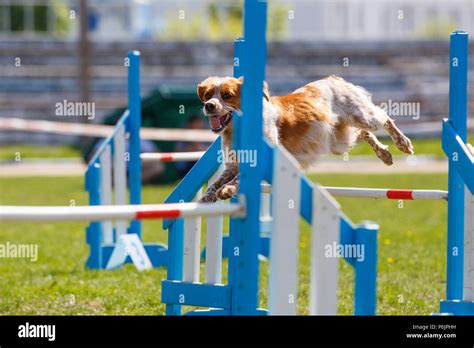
(123, 20)
(397, 49)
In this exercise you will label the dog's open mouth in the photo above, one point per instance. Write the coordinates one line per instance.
(218, 123)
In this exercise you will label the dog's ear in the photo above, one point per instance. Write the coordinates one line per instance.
(266, 94)
(241, 79)
(200, 91)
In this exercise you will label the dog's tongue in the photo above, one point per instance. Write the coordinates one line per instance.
(215, 122)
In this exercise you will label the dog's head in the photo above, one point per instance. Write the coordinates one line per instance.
(221, 97)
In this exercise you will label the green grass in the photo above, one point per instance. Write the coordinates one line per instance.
(411, 246)
(12, 152)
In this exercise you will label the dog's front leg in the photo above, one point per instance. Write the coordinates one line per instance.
(230, 189)
(211, 193)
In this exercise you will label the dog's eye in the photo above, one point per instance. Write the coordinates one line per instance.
(207, 96)
(226, 96)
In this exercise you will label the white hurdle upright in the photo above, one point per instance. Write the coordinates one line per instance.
(106, 191)
(214, 231)
(120, 177)
(192, 246)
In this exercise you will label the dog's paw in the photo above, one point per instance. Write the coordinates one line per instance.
(208, 198)
(404, 144)
(227, 191)
(384, 154)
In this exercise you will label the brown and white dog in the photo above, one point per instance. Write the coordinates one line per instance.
(326, 116)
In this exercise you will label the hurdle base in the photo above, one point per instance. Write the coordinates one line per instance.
(196, 294)
(456, 307)
(157, 253)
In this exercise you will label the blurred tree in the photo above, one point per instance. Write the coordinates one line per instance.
(16, 17)
(222, 21)
(61, 12)
(435, 29)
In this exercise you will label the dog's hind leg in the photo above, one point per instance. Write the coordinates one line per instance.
(359, 111)
(373, 118)
(401, 141)
(380, 149)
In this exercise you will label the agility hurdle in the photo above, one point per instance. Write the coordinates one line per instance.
(106, 175)
(240, 295)
(106, 179)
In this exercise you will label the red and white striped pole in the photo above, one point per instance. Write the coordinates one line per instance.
(118, 212)
(363, 192)
(171, 156)
(387, 193)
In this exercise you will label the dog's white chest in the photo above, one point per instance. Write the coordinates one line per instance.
(270, 118)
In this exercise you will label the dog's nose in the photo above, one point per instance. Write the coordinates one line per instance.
(210, 107)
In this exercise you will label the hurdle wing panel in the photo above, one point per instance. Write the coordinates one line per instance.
(324, 268)
(284, 247)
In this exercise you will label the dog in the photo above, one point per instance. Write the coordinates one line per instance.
(325, 116)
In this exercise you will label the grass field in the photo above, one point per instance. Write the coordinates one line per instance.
(9, 152)
(411, 246)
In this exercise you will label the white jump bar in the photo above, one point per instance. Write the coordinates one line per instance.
(114, 212)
